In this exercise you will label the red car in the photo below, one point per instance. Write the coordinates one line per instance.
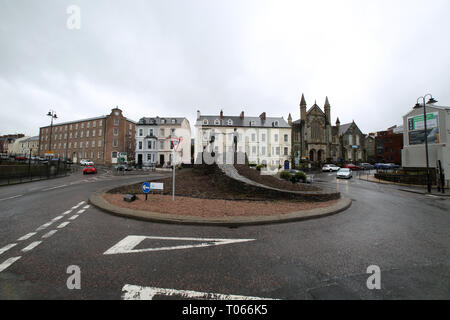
(352, 167)
(89, 169)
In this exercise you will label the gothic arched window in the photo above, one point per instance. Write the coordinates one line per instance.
(315, 131)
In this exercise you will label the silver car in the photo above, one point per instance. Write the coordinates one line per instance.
(344, 173)
(330, 168)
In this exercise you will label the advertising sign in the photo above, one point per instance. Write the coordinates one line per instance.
(417, 137)
(417, 123)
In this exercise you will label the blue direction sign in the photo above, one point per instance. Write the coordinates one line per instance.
(146, 187)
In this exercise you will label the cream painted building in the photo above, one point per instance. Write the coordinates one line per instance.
(265, 140)
(153, 140)
(19, 147)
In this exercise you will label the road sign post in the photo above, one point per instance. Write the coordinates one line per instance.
(175, 145)
(146, 189)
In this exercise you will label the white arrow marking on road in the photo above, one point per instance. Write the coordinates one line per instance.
(130, 242)
(133, 292)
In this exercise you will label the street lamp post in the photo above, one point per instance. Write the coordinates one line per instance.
(51, 114)
(426, 134)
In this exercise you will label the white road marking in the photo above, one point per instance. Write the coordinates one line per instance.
(44, 226)
(31, 246)
(11, 197)
(57, 218)
(127, 244)
(64, 185)
(49, 234)
(87, 207)
(74, 217)
(27, 236)
(67, 212)
(62, 225)
(8, 263)
(81, 211)
(133, 292)
(7, 247)
(81, 203)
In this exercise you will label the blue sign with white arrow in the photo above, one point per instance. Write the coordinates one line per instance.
(146, 187)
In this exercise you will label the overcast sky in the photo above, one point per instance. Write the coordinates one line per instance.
(173, 57)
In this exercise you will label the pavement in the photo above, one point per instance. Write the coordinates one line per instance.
(48, 227)
(419, 189)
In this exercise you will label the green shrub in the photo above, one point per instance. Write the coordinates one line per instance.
(251, 165)
(300, 176)
(286, 175)
(259, 167)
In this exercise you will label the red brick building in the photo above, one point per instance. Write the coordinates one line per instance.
(102, 139)
(388, 146)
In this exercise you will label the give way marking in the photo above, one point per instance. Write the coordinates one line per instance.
(132, 292)
(128, 244)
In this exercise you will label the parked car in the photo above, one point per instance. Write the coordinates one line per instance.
(330, 168)
(386, 166)
(86, 162)
(123, 167)
(20, 158)
(344, 173)
(89, 169)
(351, 166)
(68, 161)
(366, 166)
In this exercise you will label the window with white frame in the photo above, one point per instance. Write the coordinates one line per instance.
(286, 151)
(99, 143)
(275, 137)
(116, 131)
(116, 121)
(217, 122)
(141, 132)
(115, 143)
(230, 122)
(205, 122)
(286, 138)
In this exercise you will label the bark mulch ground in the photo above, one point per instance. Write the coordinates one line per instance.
(212, 208)
(192, 183)
(201, 183)
(272, 181)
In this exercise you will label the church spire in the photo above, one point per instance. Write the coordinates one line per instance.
(327, 110)
(303, 101)
(303, 108)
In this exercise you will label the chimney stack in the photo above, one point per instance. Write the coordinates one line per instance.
(221, 114)
(242, 115)
(263, 116)
(198, 114)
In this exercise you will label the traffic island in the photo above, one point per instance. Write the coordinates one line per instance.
(196, 211)
(210, 195)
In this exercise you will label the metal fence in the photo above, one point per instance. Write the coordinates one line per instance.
(14, 173)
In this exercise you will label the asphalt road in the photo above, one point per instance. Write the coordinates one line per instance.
(47, 226)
